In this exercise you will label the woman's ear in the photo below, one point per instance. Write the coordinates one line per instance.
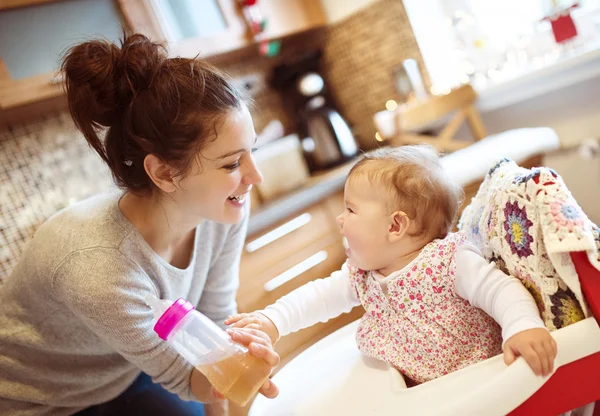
(399, 226)
(160, 173)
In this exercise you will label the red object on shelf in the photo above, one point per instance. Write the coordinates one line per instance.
(563, 26)
(575, 384)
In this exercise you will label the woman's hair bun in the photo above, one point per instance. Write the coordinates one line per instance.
(103, 77)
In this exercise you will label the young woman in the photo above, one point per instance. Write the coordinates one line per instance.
(75, 332)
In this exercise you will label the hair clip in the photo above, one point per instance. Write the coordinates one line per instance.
(128, 163)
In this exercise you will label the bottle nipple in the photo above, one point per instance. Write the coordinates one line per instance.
(159, 306)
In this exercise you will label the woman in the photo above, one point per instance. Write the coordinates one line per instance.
(75, 332)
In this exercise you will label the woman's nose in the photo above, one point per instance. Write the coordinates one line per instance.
(252, 175)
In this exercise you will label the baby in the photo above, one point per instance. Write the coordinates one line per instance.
(433, 304)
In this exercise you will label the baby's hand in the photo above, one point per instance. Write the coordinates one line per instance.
(536, 346)
(254, 320)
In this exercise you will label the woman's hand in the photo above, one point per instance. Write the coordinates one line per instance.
(218, 408)
(254, 320)
(260, 346)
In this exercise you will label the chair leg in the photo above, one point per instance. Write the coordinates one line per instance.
(475, 123)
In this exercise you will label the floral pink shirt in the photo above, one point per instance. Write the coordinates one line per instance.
(422, 327)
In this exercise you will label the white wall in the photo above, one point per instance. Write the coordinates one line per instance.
(574, 112)
(337, 10)
(582, 176)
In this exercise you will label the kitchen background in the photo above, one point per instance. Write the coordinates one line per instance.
(45, 164)
(375, 59)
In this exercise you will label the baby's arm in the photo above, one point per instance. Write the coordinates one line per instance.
(506, 299)
(316, 301)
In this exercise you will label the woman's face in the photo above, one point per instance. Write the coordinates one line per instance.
(218, 186)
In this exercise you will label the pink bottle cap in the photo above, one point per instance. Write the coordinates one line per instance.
(172, 316)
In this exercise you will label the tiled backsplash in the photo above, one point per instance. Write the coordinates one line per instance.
(44, 166)
(360, 55)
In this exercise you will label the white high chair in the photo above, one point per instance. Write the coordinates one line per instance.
(333, 378)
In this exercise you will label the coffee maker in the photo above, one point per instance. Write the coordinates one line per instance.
(327, 140)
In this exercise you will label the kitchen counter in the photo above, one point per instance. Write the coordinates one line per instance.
(318, 187)
(464, 167)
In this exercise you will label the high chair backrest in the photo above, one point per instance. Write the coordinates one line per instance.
(528, 223)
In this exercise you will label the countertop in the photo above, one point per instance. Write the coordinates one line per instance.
(318, 187)
(464, 167)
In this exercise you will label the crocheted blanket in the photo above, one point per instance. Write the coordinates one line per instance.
(527, 222)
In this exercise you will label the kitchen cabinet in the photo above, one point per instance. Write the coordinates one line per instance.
(338, 10)
(189, 27)
(212, 27)
(291, 16)
(34, 34)
(303, 247)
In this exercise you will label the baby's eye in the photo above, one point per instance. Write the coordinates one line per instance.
(349, 210)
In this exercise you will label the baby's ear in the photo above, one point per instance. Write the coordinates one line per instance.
(399, 223)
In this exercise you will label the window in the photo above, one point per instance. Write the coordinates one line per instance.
(486, 42)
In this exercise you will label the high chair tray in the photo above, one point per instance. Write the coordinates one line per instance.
(333, 378)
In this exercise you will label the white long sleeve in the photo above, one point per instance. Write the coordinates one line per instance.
(316, 301)
(501, 296)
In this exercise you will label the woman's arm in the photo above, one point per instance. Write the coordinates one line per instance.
(109, 299)
(106, 291)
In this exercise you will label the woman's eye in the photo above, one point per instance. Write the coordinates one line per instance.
(233, 166)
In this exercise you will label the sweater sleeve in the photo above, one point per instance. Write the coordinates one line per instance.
(501, 296)
(106, 291)
(316, 301)
(218, 296)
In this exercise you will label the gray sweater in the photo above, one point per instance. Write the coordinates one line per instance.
(74, 328)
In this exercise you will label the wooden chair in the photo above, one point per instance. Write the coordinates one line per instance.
(416, 116)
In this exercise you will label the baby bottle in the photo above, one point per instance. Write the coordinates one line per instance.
(228, 366)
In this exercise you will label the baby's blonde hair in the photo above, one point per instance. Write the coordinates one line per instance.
(418, 186)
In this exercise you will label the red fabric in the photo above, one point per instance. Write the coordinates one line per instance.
(589, 278)
(572, 386)
(576, 384)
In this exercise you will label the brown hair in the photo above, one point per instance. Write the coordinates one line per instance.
(149, 103)
(418, 184)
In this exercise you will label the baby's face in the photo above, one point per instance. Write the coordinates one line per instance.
(365, 223)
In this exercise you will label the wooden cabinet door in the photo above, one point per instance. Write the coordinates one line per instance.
(289, 17)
